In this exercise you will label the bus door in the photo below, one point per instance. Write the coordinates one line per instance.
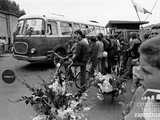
(52, 35)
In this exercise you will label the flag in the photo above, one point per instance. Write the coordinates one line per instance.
(138, 8)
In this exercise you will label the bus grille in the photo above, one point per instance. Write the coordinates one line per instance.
(21, 47)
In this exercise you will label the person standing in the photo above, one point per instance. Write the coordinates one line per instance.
(100, 48)
(81, 55)
(145, 104)
(93, 55)
(112, 54)
(106, 45)
(134, 45)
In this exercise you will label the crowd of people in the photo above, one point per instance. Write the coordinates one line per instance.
(137, 60)
(105, 54)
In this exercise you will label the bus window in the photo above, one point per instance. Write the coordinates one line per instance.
(83, 27)
(33, 27)
(66, 28)
(91, 30)
(76, 26)
(52, 28)
(49, 29)
(97, 29)
(102, 30)
(20, 27)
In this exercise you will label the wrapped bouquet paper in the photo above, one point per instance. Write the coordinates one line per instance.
(103, 82)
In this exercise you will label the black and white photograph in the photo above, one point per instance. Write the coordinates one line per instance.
(79, 60)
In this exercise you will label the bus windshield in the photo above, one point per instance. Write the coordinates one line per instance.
(31, 27)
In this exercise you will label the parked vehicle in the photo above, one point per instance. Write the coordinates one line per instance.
(36, 35)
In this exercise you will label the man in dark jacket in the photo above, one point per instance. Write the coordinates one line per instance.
(93, 55)
(106, 46)
(81, 55)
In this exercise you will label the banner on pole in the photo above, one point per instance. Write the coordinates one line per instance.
(139, 8)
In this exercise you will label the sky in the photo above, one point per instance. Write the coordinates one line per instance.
(99, 10)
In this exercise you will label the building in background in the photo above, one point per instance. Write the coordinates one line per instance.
(124, 27)
(8, 23)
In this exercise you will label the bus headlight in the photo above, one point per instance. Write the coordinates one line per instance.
(33, 50)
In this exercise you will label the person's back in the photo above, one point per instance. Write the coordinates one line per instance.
(100, 47)
(93, 50)
(136, 44)
(93, 55)
(85, 49)
(81, 56)
(106, 44)
(82, 51)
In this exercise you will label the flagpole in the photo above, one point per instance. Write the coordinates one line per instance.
(138, 16)
(136, 12)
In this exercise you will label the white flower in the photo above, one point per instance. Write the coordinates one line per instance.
(85, 94)
(63, 88)
(68, 94)
(106, 86)
(61, 113)
(58, 65)
(86, 108)
(73, 104)
(40, 117)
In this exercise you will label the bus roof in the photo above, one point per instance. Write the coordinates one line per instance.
(61, 18)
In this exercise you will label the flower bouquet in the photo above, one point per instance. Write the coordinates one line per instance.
(103, 82)
(52, 101)
(109, 84)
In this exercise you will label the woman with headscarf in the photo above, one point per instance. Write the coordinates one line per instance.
(145, 104)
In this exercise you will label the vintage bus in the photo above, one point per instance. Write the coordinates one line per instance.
(38, 34)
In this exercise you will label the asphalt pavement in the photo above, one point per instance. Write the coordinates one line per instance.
(33, 73)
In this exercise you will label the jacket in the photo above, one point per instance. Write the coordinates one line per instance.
(82, 51)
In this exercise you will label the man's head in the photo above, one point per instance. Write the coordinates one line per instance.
(79, 34)
(133, 35)
(100, 36)
(92, 39)
(150, 62)
(150, 49)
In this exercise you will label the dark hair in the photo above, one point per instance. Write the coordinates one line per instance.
(134, 35)
(80, 33)
(93, 39)
(151, 50)
(100, 36)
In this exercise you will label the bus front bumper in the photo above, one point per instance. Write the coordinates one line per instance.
(30, 59)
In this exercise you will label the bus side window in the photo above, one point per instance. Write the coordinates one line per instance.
(102, 30)
(91, 30)
(54, 28)
(83, 27)
(97, 30)
(76, 26)
(66, 28)
(49, 29)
